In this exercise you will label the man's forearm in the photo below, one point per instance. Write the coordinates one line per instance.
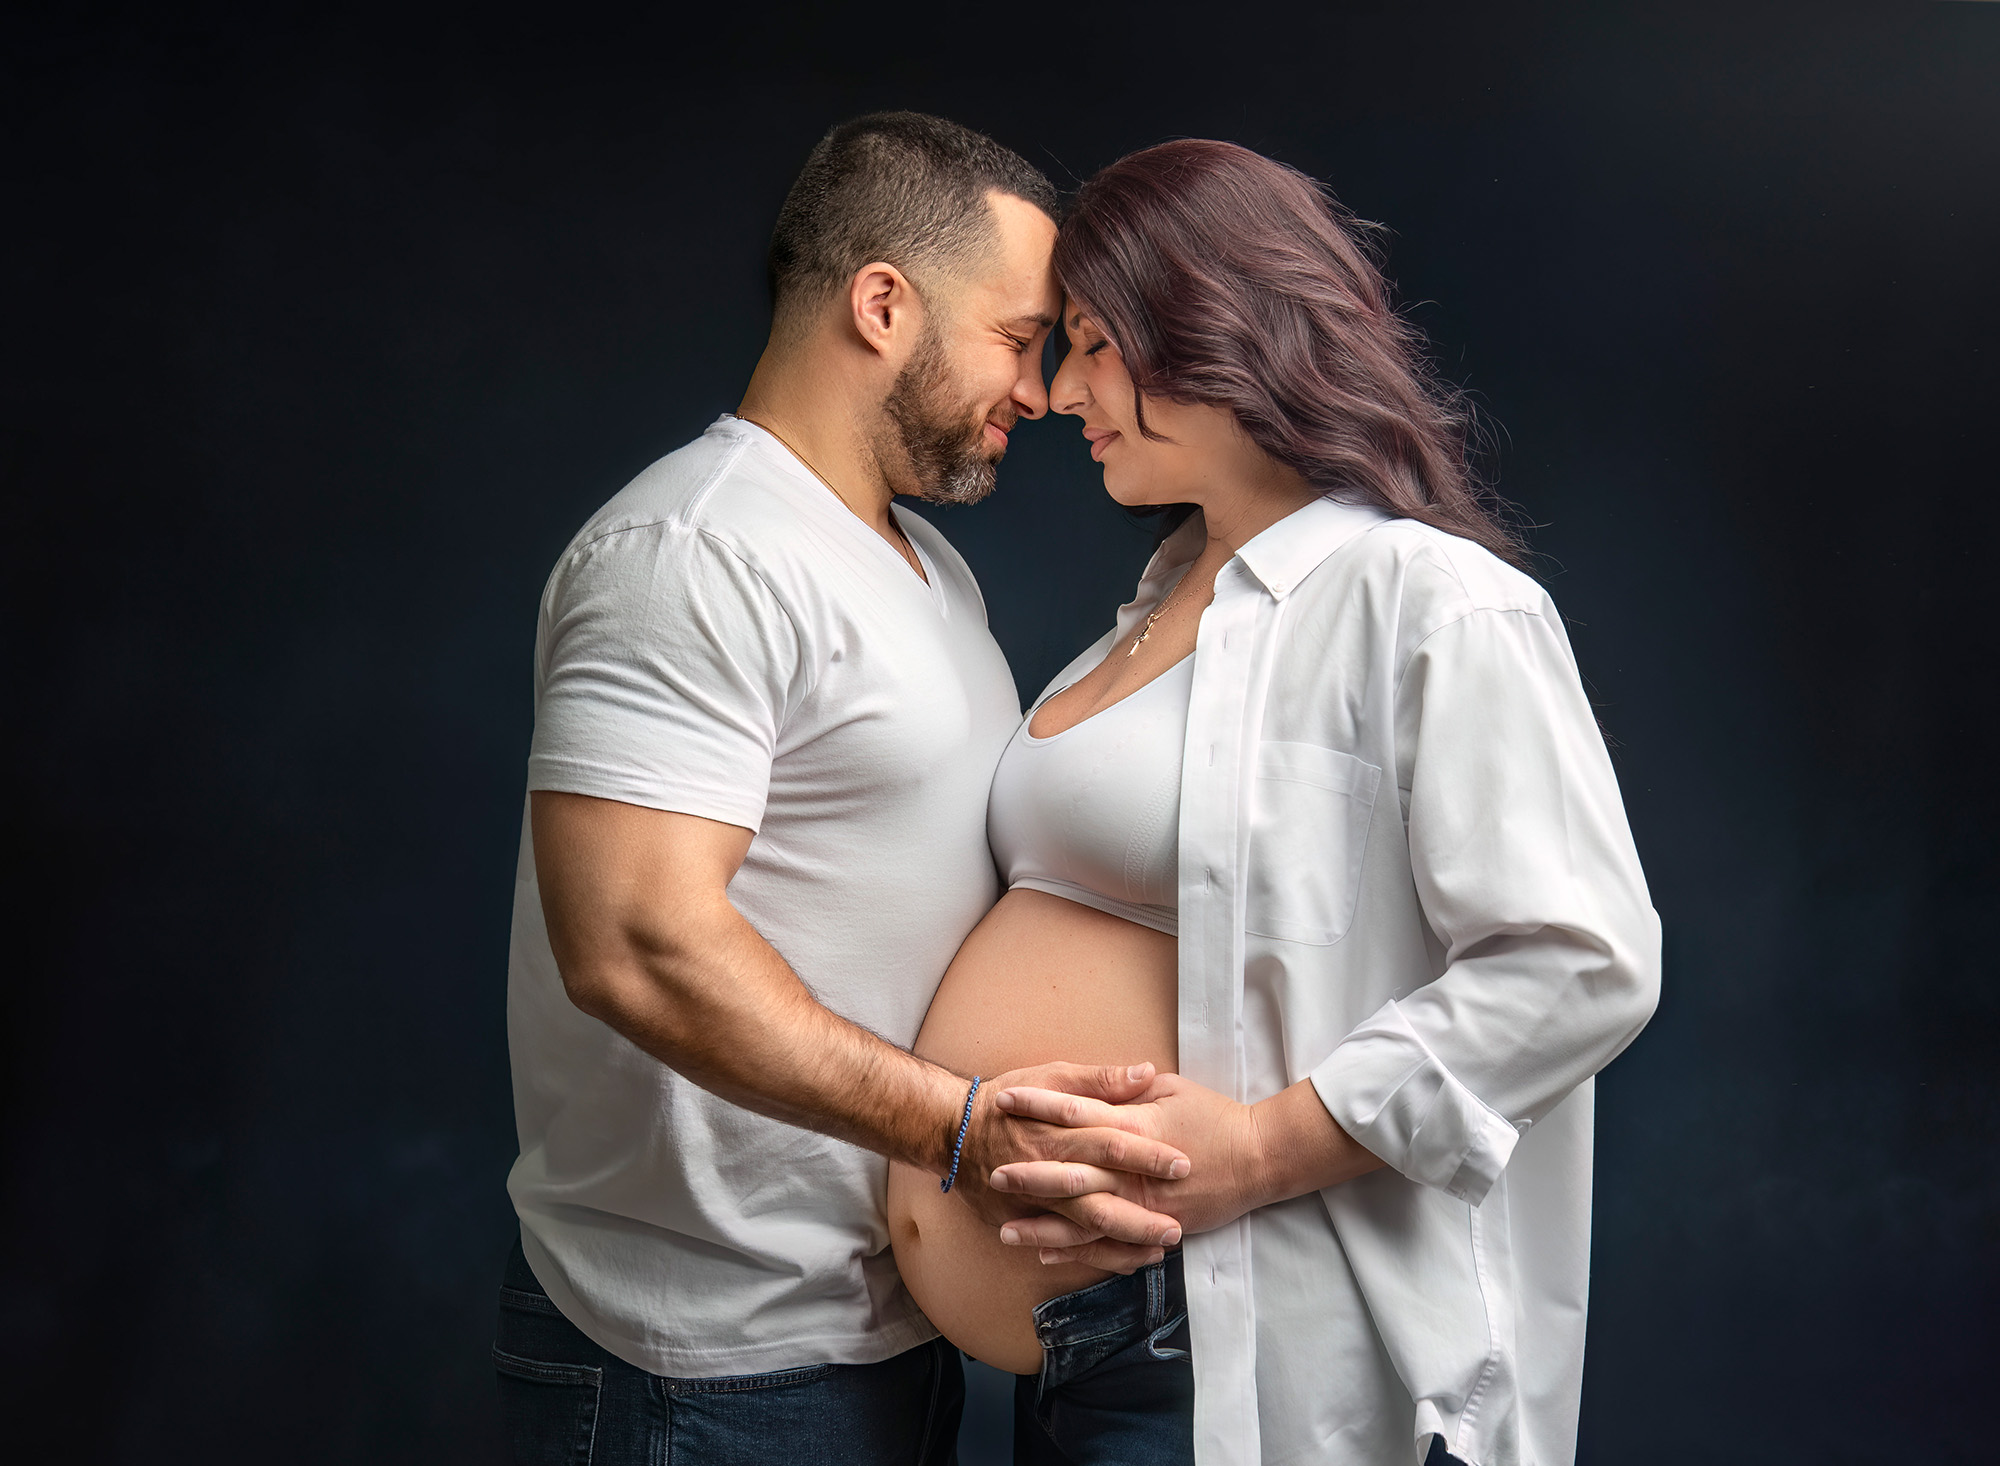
(721, 1007)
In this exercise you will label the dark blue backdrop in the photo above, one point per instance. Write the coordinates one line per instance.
(325, 331)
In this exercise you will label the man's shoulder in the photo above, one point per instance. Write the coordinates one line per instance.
(717, 486)
(711, 523)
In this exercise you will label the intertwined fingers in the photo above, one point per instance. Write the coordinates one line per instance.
(1054, 1178)
(1059, 1239)
(1114, 1149)
(1113, 1257)
(1046, 1230)
(1053, 1107)
(1105, 1215)
(1077, 1220)
(1117, 1083)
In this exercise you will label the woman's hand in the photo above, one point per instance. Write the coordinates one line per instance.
(1243, 1157)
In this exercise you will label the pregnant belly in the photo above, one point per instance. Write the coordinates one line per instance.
(1040, 979)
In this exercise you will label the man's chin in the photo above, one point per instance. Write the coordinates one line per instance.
(972, 482)
(984, 450)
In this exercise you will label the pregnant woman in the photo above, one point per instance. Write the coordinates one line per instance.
(1325, 830)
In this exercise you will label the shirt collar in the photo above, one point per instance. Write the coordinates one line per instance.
(1284, 554)
(1295, 546)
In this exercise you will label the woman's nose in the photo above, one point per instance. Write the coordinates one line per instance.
(1066, 393)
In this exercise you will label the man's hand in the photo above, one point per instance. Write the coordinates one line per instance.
(1242, 1157)
(1107, 1143)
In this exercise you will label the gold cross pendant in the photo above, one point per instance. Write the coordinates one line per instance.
(1148, 631)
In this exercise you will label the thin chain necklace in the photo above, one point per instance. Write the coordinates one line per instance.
(1157, 612)
(909, 550)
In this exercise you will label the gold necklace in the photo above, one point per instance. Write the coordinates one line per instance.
(1158, 611)
(909, 550)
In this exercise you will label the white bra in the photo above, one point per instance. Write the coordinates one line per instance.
(1093, 813)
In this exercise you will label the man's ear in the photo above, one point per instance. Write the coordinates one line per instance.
(884, 308)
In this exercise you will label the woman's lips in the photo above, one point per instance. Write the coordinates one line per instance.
(1100, 439)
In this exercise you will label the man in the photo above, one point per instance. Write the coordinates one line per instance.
(767, 713)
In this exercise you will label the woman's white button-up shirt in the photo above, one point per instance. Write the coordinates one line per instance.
(1405, 873)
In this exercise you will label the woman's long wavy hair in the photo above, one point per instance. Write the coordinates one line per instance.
(1229, 279)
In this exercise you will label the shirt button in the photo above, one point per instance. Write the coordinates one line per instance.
(1278, 586)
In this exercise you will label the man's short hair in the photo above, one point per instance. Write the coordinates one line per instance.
(900, 187)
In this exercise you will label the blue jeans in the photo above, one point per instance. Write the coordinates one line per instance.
(1117, 1386)
(566, 1402)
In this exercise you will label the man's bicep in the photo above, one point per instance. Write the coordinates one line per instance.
(615, 876)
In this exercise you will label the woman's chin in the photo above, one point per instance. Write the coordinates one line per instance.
(1126, 495)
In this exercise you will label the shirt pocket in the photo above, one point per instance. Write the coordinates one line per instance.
(1309, 818)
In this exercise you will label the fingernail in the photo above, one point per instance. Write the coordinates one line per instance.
(1049, 1257)
(1171, 1237)
(998, 1180)
(1004, 1099)
(1010, 1235)
(1178, 1170)
(1138, 1072)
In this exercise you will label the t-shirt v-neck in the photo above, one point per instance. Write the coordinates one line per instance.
(930, 575)
(805, 471)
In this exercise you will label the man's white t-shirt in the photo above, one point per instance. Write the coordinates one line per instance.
(726, 639)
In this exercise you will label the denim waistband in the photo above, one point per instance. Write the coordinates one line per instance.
(1079, 1330)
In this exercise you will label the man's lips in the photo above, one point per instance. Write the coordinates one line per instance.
(1100, 439)
(998, 435)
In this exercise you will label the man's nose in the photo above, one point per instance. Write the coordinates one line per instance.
(1030, 394)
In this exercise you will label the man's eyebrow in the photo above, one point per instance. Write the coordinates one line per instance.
(1031, 322)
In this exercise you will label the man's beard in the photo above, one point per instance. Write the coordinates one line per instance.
(938, 449)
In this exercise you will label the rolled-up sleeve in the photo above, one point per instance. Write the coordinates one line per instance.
(1526, 871)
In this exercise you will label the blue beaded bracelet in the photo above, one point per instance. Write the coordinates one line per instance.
(959, 1144)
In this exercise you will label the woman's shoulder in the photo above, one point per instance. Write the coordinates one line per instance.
(1432, 574)
(1388, 591)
